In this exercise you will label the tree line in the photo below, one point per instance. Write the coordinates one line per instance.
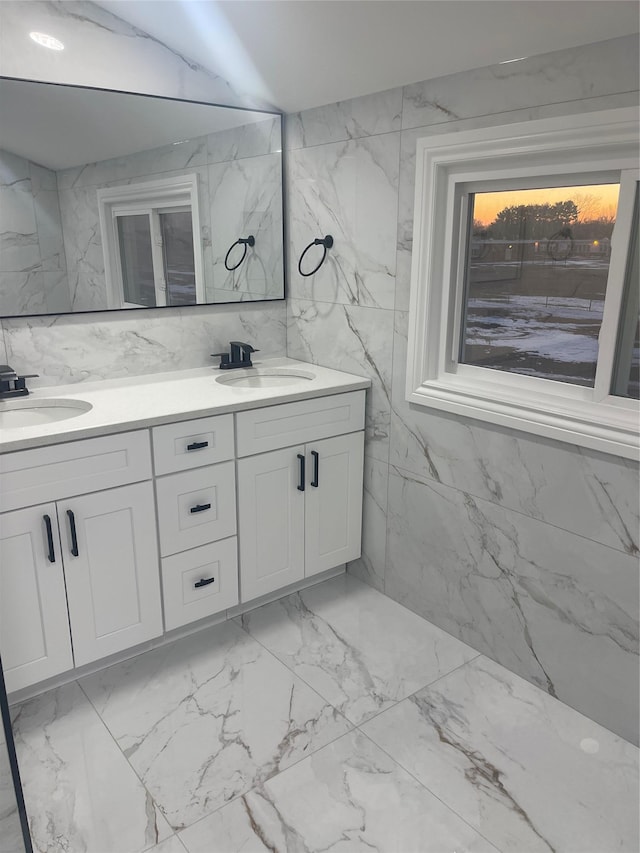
(582, 217)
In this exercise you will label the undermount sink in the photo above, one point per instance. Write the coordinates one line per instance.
(26, 413)
(264, 377)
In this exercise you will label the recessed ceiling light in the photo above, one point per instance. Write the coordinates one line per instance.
(507, 61)
(47, 41)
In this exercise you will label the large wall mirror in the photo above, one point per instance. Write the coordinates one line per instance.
(111, 200)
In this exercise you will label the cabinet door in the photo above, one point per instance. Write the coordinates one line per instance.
(333, 504)
(111, 570)
(34, 628)
(270, 521)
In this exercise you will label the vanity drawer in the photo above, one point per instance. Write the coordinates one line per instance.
(30, 477)
(192, 444)
(260, 430)
(196, 507)
(200, 582)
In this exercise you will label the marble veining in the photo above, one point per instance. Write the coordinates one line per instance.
(248, 140)
(525, 771)
(594, 70)
(133, 343)
(208, 718)
(368, 115)
(348, 190)
(369, 567)
(591, 494)
(144, 63)
(241, 752)
(349, 796)
(244, 198)
(71, 767)
(352, 663)
(355, 339)
(560, 610)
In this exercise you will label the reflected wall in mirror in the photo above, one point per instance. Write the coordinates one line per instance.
(110, 200)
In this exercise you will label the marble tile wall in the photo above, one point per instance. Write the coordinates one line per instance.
(32, 260)
(109, 53)
(525, 548)
(238, 196)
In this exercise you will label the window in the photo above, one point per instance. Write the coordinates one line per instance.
(524, 302)
(150, 235)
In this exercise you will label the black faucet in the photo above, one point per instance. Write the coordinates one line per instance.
(240, 356)
(12, 385)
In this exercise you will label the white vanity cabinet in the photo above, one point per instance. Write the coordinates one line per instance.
(93, 539)
(118, 538)
(299, 507)
(196, 499)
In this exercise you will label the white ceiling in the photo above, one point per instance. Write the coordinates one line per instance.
(297, 54)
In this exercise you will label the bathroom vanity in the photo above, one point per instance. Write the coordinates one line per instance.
(160, 503)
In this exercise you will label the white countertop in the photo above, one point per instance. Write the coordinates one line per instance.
(136, 402)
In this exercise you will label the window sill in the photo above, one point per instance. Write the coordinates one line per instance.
(609, 427)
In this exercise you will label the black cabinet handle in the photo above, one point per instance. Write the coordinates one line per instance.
(197, 445)
(52, 554)
(316, 468)
(301, 480)
(203, 582)
(200, 507)
(74, 535)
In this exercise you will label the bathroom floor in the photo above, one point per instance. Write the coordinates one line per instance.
(330, 720)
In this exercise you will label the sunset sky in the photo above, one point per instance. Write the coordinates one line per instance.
(604, 196)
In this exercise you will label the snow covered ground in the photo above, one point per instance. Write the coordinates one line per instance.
(550, 337)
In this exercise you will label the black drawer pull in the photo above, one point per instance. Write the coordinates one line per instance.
(301, 480)
(52, 554)
(200, 507)
(316, 468)
(74, 535)
(197, 445)
(203, 582)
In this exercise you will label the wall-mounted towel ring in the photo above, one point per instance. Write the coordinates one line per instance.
(243, 241)
(327, 242)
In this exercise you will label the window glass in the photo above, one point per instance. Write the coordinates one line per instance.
(179, 263)
(136, 260)
(535, 280)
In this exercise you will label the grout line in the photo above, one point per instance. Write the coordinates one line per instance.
(133, 770)
(258, 785)
(426, 788)
(431, 482)
(292, 671)
(418, 690)
(502, 113)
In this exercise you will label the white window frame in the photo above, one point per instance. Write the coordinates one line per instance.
(576, 150)
(148, 198)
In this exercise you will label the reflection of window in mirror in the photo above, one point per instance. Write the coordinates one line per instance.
(150, 234)
(151, 277)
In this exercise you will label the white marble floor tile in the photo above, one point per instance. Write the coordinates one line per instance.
(209, 717)
(80, 792)
(529, 773)
(347, 797)
(10, 828)
(360, 650)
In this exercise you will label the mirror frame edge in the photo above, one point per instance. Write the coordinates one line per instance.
(13, 763)
(285, 277)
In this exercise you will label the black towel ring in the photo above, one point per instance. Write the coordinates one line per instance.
(327, 242)
(560, 245)
(243, 241)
